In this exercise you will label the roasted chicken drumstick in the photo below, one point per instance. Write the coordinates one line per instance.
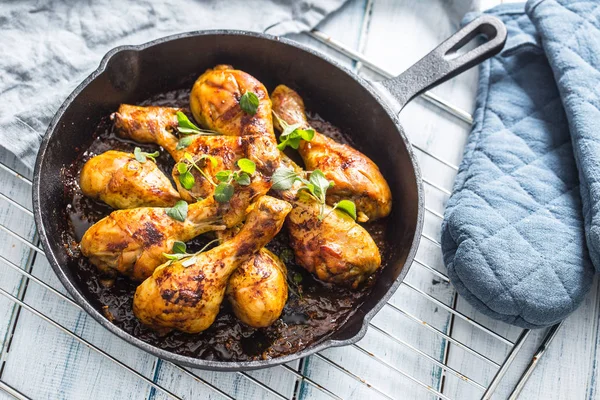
(186, 295)
(132, 242)
(215, 103)
(119, 180)
(356, 177)
(334, 248)
(258, 290)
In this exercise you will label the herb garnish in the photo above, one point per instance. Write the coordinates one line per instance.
(184, 168)
(180, 252)
(141, 156)
(292, 134)
(347, 206)
(316, 186)
(187, 127)
(249, 103)
(224, 190)
(178, 211)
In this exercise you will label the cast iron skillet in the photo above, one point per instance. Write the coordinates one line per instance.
(130, 74)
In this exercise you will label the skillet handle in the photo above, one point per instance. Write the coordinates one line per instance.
(442, 63)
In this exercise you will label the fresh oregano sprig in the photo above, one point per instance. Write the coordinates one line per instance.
(187, 127)
(142, 156)
(316, 186)
(179, 252)
(225, 189)
(292, 134)
(249, 103)
(184, 168)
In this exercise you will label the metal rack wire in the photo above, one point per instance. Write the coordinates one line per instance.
(486, 390)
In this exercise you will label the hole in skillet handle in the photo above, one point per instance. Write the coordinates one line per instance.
(446, 61)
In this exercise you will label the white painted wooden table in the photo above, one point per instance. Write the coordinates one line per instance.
(41, 361)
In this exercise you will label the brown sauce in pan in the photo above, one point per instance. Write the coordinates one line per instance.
(314, 309)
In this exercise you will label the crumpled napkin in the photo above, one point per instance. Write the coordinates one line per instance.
(48, 48)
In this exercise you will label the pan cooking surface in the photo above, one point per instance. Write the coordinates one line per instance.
(313, 311)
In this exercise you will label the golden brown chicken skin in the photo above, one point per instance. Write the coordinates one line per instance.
(336, 249)
(356, 177)
(227, 151)
(132, 242)
(148, 124)
(258, 290)
(119, 180)
(155, 125)
(215, 103)
(186, 295)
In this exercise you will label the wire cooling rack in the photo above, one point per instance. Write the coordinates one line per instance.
(482, 390)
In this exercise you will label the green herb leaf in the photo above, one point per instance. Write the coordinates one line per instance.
(179, 247)
(182, 167)
(185, 125)
(247, 166)
(249, 103)
(288, 129)
(178, 211)
(292, 134)
(283, 178)
(213, 161)
(139, 155)
(243, 179)
(292, 141)
(223, 176)
(188, 157)
(223, 192)
(187, 180)
(347, 206)
(306, 134)
(142, 156)
(184, 142)
(297, 278)
(321, 184)
(152, 156)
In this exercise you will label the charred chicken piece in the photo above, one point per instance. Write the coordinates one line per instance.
(215, 103)
(149, 124)
(186, 295)
(152, 125)
(132, 242)
(356, 177)
(119, 180)
(258, 290)
(335, 248)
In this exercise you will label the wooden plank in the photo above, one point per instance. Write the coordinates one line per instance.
(46, 363)
(14, 251)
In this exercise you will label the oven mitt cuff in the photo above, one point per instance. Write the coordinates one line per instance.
(512, 235)
(570, 33)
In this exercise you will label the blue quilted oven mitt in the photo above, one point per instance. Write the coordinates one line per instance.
(570, 33)
(513, 235)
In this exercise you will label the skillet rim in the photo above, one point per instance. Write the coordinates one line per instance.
(60, 271)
